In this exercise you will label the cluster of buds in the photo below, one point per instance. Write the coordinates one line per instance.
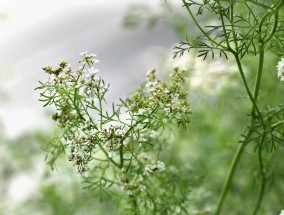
(113, 138)
(153, 167)
(133, 187)
(79, 149)
(88, 59)
(170, 98)
(89, 84)
(81, 143)
(60, 74)
(64, 116)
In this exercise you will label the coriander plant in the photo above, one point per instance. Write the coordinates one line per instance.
(121, 148)
(126, 151)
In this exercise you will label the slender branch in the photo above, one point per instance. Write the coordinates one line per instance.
(243, 143)
(258, 78)
(232, 170)
(262, 175)
(259, 4)
(224, 29)
(254, 104)
(273, 30)
(233, 28)
(200, 28)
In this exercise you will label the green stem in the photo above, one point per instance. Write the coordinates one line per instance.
(273, 30)
(100, 109)
(258, 78)
(231, 172)
(106, 154)
(262, 175)
(254, 104)
(259, 4)
(233, 28)
(200, 28)
(242, 145)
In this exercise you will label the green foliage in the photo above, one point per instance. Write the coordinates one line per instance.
(240, 27)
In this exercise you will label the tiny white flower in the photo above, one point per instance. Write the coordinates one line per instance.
(142, 157)
(80, 70)
(166, 91)
(178, 116)
(147, 170)
(93, 71)
(83, 53)
(161, 166)
(142, 188)
(184, 109)
(111, 154)
(282, 212)
(280, 69)
(168, 110)
(140, 178)
(148, 84)
(96, 60)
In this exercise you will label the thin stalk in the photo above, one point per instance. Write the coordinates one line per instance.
(262, 175)
(259, 4)
(258, 78)
(100, 109)
(233, 28)
(231, 172)
(225, 32)
(242, 145)
(254, 104)
(200, 28)
(106, 154)
(273, 30)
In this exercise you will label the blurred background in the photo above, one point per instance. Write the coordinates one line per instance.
(129, 37)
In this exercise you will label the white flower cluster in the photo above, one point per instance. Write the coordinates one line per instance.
(88, 59)
(59, 75)
(112, 137)
(153, 167)
(282, 212)
(170, 98)
(79, 149)
(280, 69)
(86, 80)
(91, 86)
(81, 145)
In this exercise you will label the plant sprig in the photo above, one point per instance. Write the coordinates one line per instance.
(119, 148)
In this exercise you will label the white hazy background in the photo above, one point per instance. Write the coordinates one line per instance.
(35, 33)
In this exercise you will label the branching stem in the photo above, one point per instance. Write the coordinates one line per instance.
(200, 28)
